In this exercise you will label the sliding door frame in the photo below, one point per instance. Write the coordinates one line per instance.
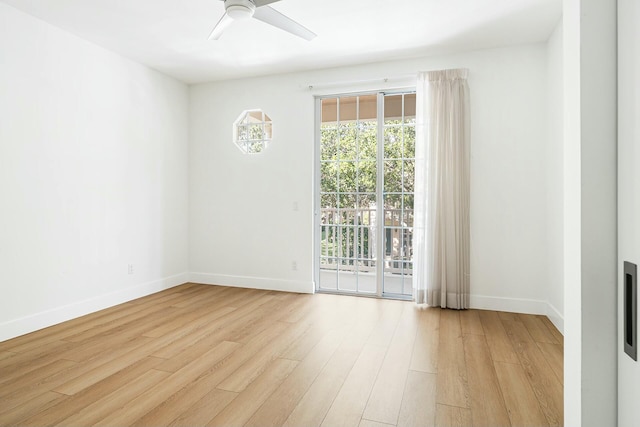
(380, 235)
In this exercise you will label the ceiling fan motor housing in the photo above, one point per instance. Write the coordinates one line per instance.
(239, 9)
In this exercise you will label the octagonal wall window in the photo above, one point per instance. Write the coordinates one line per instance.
(252, 131)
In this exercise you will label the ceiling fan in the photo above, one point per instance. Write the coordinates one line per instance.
(237, 10)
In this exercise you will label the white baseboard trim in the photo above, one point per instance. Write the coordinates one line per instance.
(16, 327)
(519, 305)
(511, 305)
(24, 325)
(556, 318)
(253, 282)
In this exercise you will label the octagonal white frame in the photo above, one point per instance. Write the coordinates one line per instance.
(252, 131)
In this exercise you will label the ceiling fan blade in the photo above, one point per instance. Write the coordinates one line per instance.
(271, 16)
(260, 3)
(222, 24)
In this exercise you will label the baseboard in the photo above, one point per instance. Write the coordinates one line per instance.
(252, 282)
(556, 318)
(519, 305)
(16, 327)
(24, 325)
(512, 305)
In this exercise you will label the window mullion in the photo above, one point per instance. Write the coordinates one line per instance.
(380, 196)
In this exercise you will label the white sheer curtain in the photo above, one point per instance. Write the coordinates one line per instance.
(441, 224)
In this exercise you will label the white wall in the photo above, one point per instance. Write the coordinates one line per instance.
(241, 206)
(554, 176)
(93, 177)
(571, 211)
(629, 192)
(243, 229)
(598, 211)
(589, 37)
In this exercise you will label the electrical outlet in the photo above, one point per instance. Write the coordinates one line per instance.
(294, 265)
(295, 206)
(130, 268)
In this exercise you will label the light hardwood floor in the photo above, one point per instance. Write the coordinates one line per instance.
(200, 355)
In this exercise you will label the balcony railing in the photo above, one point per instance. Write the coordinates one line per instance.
(349, 240)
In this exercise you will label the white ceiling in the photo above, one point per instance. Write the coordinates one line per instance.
(171, 35)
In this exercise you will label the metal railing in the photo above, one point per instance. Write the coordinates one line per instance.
(348, 240)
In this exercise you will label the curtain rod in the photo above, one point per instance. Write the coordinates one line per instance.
(392, 79)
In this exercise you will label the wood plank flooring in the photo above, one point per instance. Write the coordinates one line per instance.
(198, 355)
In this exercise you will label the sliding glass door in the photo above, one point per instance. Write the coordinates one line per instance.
(364, 186)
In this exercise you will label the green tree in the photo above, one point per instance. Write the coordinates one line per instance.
(348, 179)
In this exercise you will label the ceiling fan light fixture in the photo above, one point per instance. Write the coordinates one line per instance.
(241, 11)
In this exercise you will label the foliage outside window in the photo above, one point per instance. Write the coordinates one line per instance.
(252, 131)
(356, 174)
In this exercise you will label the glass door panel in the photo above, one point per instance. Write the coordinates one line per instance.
(365, 173)
(348, 173)
(399, 176)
